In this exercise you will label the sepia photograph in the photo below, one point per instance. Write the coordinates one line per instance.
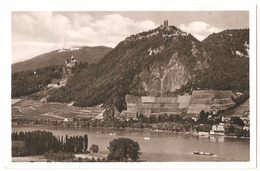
(132, 86)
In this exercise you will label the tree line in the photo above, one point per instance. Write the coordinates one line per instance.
(39, 142)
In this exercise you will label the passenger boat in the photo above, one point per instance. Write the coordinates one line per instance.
(146, 138)
(202, 153)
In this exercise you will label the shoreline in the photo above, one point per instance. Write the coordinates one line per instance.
(135, 129)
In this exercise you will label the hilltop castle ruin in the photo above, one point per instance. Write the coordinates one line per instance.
(72, 63)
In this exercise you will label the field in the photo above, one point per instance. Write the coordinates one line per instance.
(30, 109)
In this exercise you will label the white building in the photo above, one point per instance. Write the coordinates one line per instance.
(75, 48)
(218, 129)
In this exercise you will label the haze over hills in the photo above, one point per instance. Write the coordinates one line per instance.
(57, 57)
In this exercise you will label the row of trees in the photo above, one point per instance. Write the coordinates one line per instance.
(54, 148)
(237, 132)
(39, 142)
(120, 150)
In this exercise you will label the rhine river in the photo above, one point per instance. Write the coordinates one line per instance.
(162, 146)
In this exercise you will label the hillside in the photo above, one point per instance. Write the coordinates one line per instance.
(32, 81)
(232, 41)
(84, 54)
(160, 62)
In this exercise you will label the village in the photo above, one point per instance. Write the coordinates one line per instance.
(205, 124)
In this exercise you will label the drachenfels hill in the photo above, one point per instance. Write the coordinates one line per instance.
(162, 62)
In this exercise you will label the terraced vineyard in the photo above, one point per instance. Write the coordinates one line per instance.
(208, 100)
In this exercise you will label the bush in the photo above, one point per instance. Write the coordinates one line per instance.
(94, 148)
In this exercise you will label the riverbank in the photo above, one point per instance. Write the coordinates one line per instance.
(39, 158)
(112, 131)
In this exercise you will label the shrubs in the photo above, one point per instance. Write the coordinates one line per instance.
(18, 148)
(94, 148)
(59, 156)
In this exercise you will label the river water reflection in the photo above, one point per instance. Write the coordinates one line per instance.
(162, 146)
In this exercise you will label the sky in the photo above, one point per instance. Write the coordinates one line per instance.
(36, 32)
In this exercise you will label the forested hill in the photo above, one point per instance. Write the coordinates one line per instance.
(84, 54)
(160, 62)
(232, 41)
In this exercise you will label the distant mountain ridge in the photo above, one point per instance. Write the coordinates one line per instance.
(57, 57)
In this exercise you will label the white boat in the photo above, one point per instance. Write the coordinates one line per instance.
(146, 138)
(112, 133)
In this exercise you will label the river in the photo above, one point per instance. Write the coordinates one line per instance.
(162, 146)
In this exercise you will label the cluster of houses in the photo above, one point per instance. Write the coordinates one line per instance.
(219, 129)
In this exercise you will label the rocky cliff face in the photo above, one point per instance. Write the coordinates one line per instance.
(158, 79)
(242, 54)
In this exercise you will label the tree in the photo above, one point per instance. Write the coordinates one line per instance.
(152, 118)
(142, 118)
(123, 149)
(239, 132)
(175, 118)
(86, 141)
(94, 148)
(202, 114)
(238, 121)
(160, 118)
